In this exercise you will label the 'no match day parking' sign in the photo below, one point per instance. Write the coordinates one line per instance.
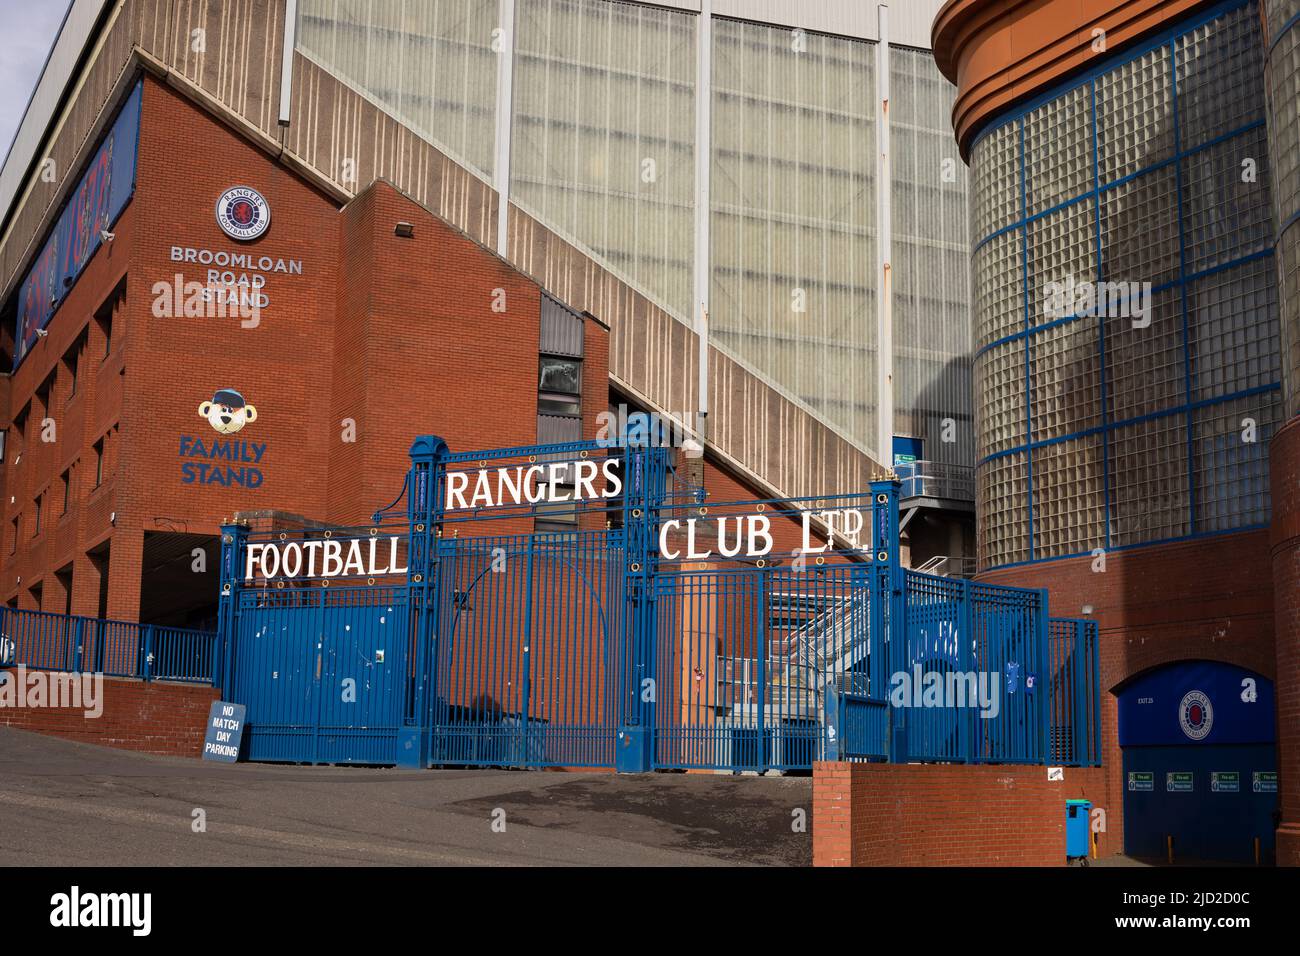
(225, 731)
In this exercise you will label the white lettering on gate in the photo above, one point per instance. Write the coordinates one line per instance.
(752, 535)
(728, 537)
(294, 559)
(846, 525)
(519, 485)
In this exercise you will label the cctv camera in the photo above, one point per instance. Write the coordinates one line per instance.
(106, 236)
(42, 332)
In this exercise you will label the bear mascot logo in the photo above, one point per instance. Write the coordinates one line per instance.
(227, 413)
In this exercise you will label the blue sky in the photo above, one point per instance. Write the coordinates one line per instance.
(29, 27)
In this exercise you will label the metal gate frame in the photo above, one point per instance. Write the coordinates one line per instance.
(618, 689)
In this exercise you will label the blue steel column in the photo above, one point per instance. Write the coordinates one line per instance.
(526, 660)
(890, 634)
(78, 636)
(1079, 705)
(644, 473)
(965, 642)
(232, 549)
(1042, 709)
(424, 509)
(1095, 696)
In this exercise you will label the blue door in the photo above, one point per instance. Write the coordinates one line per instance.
(322, 673)
(1200, 767)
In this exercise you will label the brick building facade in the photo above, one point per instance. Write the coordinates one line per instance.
(376, 339)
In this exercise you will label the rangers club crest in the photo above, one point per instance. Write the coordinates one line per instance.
(1195, 715)
(243, 213)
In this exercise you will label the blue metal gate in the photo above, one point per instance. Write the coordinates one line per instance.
(321, 671)
(644, 627)
(525, 652)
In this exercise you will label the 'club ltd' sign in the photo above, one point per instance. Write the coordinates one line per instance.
(551, 483)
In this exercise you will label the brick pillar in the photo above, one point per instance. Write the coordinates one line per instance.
(832, 814)
(54, 596)
(85, 586)
(124, 564)
(1284, 467)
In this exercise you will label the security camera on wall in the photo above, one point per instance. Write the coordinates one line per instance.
(106, 236)
(42, 332)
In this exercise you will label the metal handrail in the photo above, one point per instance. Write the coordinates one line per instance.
(936, 479)
(947, 565)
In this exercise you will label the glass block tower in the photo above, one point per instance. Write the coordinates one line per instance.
(1109, 428)
(1135, 220)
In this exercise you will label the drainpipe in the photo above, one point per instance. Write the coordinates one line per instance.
(884, 285)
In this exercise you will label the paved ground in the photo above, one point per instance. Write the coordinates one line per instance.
(66, 804)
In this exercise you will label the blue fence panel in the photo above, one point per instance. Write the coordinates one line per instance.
(933, 680)
(1009, 684)
(274, 655)
(528, 635)
(747, 657)
(1074, 693)
(1010, 645)
(364, 636)
(862, 728)
(42, 640)
(183, 655)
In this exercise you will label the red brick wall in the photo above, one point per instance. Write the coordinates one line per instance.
(153, 718)
(398, 335)
(948, 815)
(1208, 599)
(433, 357)
(1284, 471)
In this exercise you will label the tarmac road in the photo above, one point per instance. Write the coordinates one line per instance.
(69, 804)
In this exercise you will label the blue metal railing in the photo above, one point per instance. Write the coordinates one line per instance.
(936, 479)
(1074, 692)
(980, 674)
(41, 640)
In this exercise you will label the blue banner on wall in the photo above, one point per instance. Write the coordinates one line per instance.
(1197, 702)
(104, 190)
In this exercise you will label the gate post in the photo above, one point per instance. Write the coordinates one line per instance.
(889, 631)
(1042, 701)
(1079, 695)
(232, 548)
(147, 659)
(965, 637)
(78, 635)
(424, 508)
(644, 474)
